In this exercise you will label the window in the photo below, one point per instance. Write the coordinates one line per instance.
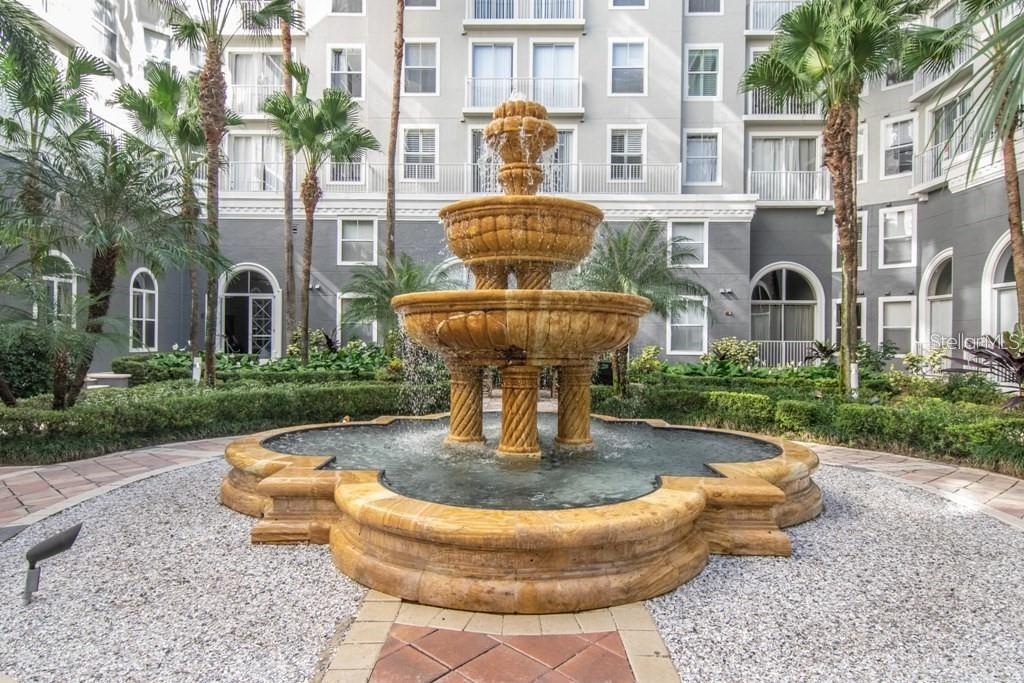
(628, 68)
(627, 154)
(703, 162)
(347, 70)
(357, 241)
(629, 4)
(948, 130)
(897, 234)
(158, 45)
(419, 154)
(61, 288)
(785, 168)
(837, 319)
(254, 77)
(1004, 294)
(421, 4)
(104, 19)
(896, 322)
(555, 75)
(862, 152)
(897, 147)
(255, 163)
(492, 70)
(703, 6)
(896, 75)
(143, 312)
(353, 331)
(558, 173)
(688, 244)
(938, 307)
(702, 66)
(784, 307)
(420, 68)
(347, 6)
(688, 328)
(862, 245)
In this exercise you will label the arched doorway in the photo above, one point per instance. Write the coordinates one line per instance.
(786, 313)
(937, 312)
(250, 312)
(999, 290)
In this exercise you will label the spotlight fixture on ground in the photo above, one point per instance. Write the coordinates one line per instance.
(46, 548)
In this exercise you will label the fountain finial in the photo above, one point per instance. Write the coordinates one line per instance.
(520, 133)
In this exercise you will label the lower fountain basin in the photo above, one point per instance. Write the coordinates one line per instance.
(539, 327)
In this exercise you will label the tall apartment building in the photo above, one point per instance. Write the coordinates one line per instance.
(651, 125)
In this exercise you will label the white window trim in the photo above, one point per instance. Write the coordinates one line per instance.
(912, 300)
(331, 47)
(989, 314)
(862, 150)
(612, 5)
(643, 151)
(707, 233)
(647, 64)
(275, 310)
(557, 40)
(497, 40)
(72, 276)
(341, 296)
(376, 239)
(863, 302)
(931, 270)
(882, 213)
(436, 6)
(688, 13)
(882, 148)
(668, 332)
(156, 311)
(437, 67)
(862, 262)
(718, 169)
(332, 13)
(437, 151)
(686, 71)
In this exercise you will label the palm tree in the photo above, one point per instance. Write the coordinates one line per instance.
(321, 131)
(210, 25)
(995, 90)
(396, 99)
(823, 52)
(289, 192)
(373, 287)
(638, 260)
(21, 41)
(166, 115)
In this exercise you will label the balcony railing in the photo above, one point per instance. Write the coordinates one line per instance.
(520, 10)
(759, 103)
(924, 78)
(790, 186)
(248, 99)
(774, 354)
(765, 14)
(553, 93)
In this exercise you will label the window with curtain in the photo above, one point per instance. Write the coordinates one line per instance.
(143, 312)
(254, 77)
(357, 242)
(784, 168)
(492, 74)
(702, 72)
(897, 226)
(783, 307)
(862, 247)
(898, 138)
(628, 64)
(554, 75)
(687, 329)
(347, 70)
(897, 323)
(701, 158)
(347, 6)
(255, 163)
(419, 154)
(350, 331)
(837, 318)
(689, 244)
(420, 69)
(627, 154)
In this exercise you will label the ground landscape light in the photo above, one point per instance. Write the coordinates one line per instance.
(46, 548)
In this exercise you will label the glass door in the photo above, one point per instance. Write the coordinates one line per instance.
(492, 81)
(554, 75)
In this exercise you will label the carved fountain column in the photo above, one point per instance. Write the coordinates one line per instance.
(466, 423)
(520, 388)
(574, 405)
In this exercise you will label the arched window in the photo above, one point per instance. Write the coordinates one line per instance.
(143, 311)
(784, 307)
(61, 287)
(250, 311)
(939, 304)
(1004, 294)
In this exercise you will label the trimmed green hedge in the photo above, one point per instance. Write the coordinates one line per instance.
(143, 372)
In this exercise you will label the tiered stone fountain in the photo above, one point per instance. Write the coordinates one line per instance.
(520, 237)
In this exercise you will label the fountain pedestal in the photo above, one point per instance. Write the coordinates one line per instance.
(520, 390)
(466, 424)
(574, 405)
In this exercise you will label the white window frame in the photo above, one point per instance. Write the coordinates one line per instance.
(703, 263)
(688, 13)
(342, 296)
(612, 5)
(429, 8)
(362, 13)
(862, 260)
(912, 300)
(668, 332)
(717, 132)
(502, 40)
(376, 239)
(862, 301)
(155, 312)
(642, 127)
(554, 40)
(103, 32)
(686, 71)
(71, 277)
(153, 28)
(882, 213)
(883, 149)
(647, 63)
(862, 150)
(437, 66)
(331, 47)
(437, 151)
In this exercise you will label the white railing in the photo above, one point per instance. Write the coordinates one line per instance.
(931, 164)
(924, 78)
(765, 14)
(517, 10)
(759, 103)
(774, 354)
(252, 176)
(790, 186)
(249, 99)
(553, 93)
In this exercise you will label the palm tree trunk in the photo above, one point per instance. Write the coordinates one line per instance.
(289, 190)
(102, 272)
(190, 212)
(212, 110)
(310, 197)
(1011, 178)
(6, 395)
(396, 96)
(620, 370)
(840, 140)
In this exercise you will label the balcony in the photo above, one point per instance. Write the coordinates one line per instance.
(247, 100)
(559, 95)
(533, 13)
(925, 79)
(760, 105)
(773, 354)
(763, 15)
(797, 187)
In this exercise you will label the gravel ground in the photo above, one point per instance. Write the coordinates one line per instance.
(890, 584)
(163, 585)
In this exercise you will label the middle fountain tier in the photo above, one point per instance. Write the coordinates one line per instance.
(520, 238)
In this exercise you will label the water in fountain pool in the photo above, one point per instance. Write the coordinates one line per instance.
(624, 462)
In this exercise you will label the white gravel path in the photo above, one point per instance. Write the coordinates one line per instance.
(890, 584)
(163, 585)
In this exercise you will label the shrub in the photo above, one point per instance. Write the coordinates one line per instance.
(742, 352)
(804, 417)
(995, 440)
(648, 366)
(25, 361)
(742, 411)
